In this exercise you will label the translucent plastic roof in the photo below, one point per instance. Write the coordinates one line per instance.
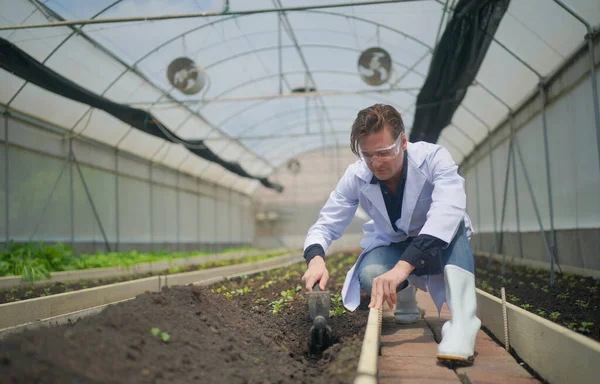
(251, 59)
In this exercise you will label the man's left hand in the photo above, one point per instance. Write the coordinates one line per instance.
(384, 286)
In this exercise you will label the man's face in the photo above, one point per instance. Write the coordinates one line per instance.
(383, 155)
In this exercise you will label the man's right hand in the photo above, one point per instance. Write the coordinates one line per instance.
(316, 271)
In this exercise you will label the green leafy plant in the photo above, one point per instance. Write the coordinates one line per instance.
(555, 315)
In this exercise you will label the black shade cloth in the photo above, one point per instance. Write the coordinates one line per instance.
(455, 64)
(19, 63)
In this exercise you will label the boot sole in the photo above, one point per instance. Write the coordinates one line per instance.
(454, 361)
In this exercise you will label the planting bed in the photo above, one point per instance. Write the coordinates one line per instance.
(573, 301)
(30, 291)
(246, 330)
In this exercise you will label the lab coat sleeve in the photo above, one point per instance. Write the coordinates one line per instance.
(337, 213)
(448, 200)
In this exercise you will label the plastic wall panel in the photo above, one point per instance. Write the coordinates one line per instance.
(207, 220)
(237, 220)
(223, 222)
(27, 136)
(485, 196)
(532, 149)
(134, 210)
(206, 189)
(31, 179)
(10, 85)
(101, 186)
(134, 168)
(163, 176)
(574, 160)
(164, 214)
(188, 223)
(188, 183)
(500, 162)
(104, 159)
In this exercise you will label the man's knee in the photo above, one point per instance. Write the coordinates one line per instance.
(368, 273)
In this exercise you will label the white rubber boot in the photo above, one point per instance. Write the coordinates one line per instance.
(407, 311)
(459, 333)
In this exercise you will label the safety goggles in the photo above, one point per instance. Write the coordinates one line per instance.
(383, 153)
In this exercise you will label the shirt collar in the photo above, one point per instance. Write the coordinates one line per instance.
(374, 179)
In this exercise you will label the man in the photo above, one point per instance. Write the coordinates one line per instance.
(418, 236)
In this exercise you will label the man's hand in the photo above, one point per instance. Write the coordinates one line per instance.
(316, 272)
(384, 286)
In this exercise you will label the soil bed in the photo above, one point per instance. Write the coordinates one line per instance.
(573, 301)
(30, 291)
(247, 330)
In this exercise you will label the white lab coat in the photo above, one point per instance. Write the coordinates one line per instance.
(434, 203)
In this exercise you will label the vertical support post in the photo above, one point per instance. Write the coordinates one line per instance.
(478, 207)
(151, 205)
(514, 167)
(198, 213)
(6, 182)
(215, 219)
(504, 197)
(280, 53)
(178, 213)
(230, 237)
(491, 149)
(72, 192)
(117, 200)
(548, 183)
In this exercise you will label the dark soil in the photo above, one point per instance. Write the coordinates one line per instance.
(30, 291)
(226, 333)
(573, 301)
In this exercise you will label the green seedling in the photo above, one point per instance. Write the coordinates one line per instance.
(277, 306)
(164, 336)
(526, 306)
(555, 315)
(585, 326)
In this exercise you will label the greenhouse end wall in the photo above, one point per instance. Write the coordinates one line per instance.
(139, 206)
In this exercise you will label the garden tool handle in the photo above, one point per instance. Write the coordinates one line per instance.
(316, 287)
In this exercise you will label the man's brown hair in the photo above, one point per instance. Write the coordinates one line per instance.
(371, 120)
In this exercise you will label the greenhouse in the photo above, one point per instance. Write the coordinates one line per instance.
(178, 175)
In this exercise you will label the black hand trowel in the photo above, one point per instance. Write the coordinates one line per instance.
(318, 309)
